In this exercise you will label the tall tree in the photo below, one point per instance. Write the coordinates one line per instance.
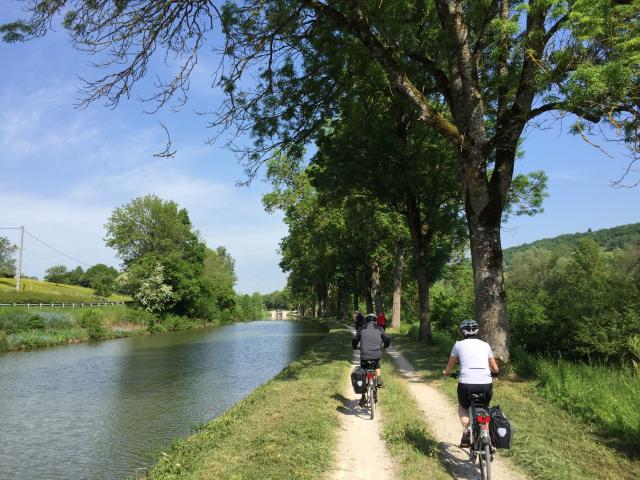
(155, 239)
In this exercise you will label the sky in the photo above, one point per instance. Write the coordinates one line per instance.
(63, 170)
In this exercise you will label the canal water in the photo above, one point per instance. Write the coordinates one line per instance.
(99, 411)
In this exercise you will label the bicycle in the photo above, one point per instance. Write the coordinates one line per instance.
(480, 442)
(371, 395)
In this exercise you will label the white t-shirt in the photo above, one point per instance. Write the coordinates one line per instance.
(474, 355)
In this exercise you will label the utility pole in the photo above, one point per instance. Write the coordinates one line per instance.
(19, 272)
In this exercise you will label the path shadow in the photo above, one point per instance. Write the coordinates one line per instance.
(350, 407)
(461, 468)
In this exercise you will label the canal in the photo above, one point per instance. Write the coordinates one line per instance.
(99, 411)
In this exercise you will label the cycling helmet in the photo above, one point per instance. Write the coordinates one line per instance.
(469, 328)
(371, 317)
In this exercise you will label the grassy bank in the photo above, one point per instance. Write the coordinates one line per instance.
(550, 443)
(405, 431)
(23, 329)
(286, 429)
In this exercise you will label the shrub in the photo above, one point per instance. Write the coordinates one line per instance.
(13, 321)
(4, 343)
(89, 316)
(35, 322)
(177, 322)
(95, 330)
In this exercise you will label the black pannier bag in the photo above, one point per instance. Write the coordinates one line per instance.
(359, 380)
(501, 429)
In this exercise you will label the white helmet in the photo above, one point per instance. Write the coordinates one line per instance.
(469, 328)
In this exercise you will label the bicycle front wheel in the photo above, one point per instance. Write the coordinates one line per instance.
(485, 462)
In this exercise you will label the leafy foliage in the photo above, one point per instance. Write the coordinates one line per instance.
(7, 262)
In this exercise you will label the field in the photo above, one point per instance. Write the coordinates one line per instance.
(35, 291)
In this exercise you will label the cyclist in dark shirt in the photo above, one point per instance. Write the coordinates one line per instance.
(371, 340)
(359, 320)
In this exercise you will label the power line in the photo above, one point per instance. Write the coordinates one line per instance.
(47, 245)
(56, 250)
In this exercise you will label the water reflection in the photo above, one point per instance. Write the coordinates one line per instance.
(99, 411)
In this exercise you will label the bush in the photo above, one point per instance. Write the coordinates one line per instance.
(13, 321)
(95, 330)
(35, 322)
(140, 316)
(177, 322)
(89, 316)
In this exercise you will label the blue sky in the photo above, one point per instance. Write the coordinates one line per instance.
(64, 170)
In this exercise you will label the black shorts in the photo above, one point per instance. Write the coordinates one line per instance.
(464, 389)
(369, 363)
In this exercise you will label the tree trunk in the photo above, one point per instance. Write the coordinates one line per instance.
(375, 287)
(367, 291)
(484, 203)
(420, 258)
(397, 285)
(356, 302)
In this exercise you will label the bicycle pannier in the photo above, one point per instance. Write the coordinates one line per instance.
(501, 429)
(359, 380)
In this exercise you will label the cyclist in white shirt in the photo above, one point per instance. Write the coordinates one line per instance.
(476, 365)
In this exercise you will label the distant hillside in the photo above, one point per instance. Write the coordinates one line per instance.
(608, 238)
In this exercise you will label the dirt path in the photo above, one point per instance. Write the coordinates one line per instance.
(442, 418)
(360, 439)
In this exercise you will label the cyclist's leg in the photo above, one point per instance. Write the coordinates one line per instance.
(463, 413)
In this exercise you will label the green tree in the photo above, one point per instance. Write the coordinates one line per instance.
(7, 262)
(56, 274)
(99, 274)
(150, 233)
(219, 269)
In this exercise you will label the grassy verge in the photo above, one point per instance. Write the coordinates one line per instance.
(603, 396)
(406, 432)
(550, 443)
(286, 429)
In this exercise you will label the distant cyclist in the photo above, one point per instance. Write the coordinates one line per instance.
(371, 340)
(359, 320)
(381, 320)
(476, 365)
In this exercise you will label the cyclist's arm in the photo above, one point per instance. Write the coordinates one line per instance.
(449, 368)
(493, 365)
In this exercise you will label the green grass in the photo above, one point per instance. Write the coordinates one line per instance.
(406, 432)
(604, 396)
(286, 429)
(550, 443)
(35, 291)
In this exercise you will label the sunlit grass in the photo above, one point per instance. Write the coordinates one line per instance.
(286, 429)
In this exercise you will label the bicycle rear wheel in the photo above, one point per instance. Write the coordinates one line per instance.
(372, 399)
(485, 462)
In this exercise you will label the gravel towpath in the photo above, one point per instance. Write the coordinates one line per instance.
(442, 418)
(361, 453)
